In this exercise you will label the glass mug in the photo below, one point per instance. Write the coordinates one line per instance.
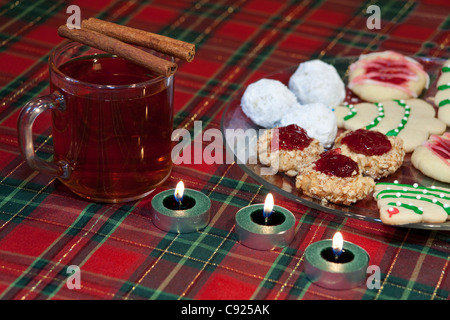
(112, 123)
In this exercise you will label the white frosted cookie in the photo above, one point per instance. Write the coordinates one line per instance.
(318, 120)
(315, 81)
(266, 100)
(411, 120)
(442, 98)
(403, 204)
(433, 158)
(387, 75)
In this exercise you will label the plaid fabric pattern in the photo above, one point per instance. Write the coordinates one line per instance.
(44, 228)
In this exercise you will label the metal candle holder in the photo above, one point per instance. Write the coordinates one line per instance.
(256, 232)
(324, 269)
(190, 214)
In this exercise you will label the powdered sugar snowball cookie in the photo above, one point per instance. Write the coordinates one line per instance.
(401, 204)
(432, 158)
(315, 81)
(442, 97)
(387, 75)
(266, 100)
(318, 120)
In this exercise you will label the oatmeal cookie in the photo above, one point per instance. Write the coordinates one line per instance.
(377, 155)
(288, 149)
(336, 178)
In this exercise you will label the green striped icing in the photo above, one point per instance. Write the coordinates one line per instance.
(418, 193)
(404, 121)
(444, 102)
(380, 116)
(351, 113)
(444, 86)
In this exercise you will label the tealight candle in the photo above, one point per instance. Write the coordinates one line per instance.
(336, 264)
(180, 210)
(265, 226)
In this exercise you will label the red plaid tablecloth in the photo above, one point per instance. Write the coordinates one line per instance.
(45, 229)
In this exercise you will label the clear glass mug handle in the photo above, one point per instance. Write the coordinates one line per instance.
(27, 117)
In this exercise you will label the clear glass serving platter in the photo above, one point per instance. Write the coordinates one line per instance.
(234, 119)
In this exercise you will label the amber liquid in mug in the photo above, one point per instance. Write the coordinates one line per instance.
(119, 149)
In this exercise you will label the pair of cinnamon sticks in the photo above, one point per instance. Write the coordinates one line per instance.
(120, 40)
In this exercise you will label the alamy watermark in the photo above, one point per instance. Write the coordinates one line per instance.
(74, 279)
(374, 21)
(241, 147)
(74, 20)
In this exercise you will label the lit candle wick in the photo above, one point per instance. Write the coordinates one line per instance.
(178, 194)
(268, 207)
(337, 245)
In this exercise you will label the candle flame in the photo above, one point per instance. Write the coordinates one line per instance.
(179, 190)
(337, 244)
(268, 205)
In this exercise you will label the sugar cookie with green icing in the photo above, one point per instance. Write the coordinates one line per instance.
(412, 120)
(401, 204)
(442, 97)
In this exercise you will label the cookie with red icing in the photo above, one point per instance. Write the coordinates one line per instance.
(336, 178)
(387, 75)
(433, 157)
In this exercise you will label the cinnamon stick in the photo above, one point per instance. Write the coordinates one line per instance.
(177, 48)
(119, 48)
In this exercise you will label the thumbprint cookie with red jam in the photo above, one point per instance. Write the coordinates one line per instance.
(377, 155)
(288, 149)
(336, 178)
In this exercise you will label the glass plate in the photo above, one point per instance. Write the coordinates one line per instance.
(366, 209)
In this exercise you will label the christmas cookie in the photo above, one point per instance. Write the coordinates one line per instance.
(376, 154)
(442, 98)
(411, 120)
(288, 149)
(403, 204)
(336, 178)
(315, 81)
(433, 158)
(266, 100)
(387, 75)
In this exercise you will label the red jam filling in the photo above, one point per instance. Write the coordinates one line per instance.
(333, 163)
(367, 142)
(291, 137)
